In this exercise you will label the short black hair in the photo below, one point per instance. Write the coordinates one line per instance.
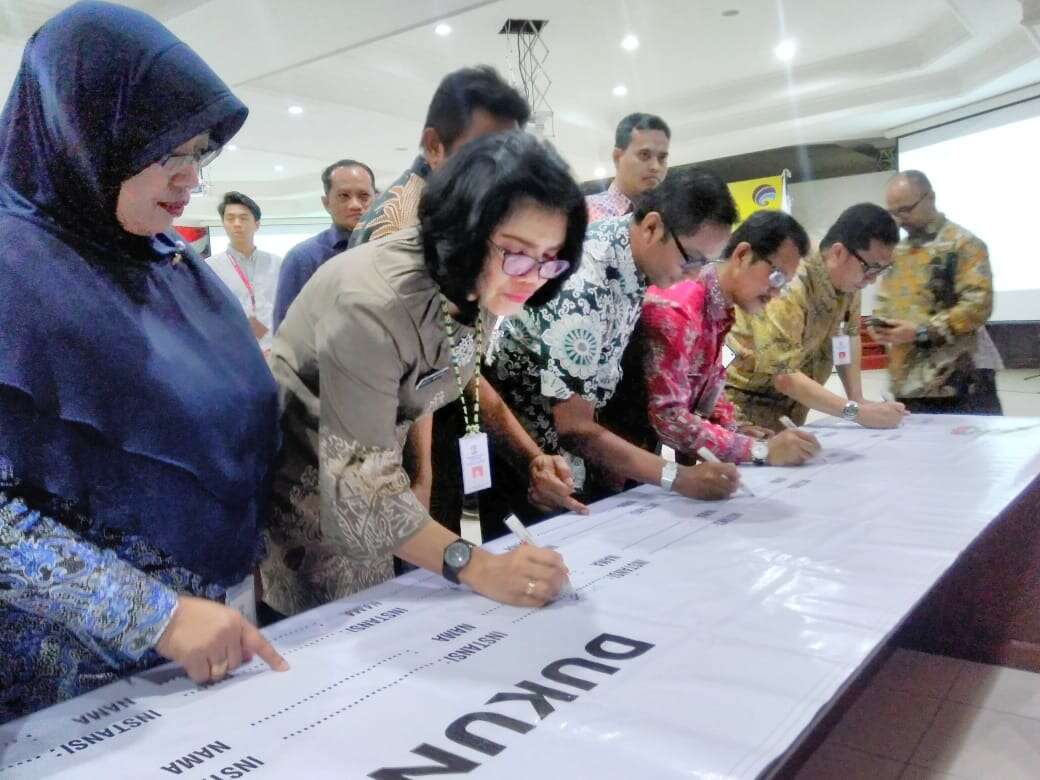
(238, 199)
(858, 225)
(687, 199)
(475, 190)
(326, 175)
(463, 91)
(766, 231)
(638, 121)
(915, 177)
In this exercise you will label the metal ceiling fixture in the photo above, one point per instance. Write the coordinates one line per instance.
(527, 55)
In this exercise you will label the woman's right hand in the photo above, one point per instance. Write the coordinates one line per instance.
(526, 576)
(210, 640)
(709, 481)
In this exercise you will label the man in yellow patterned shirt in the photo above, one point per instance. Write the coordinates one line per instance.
(785, 354)
(934, 306)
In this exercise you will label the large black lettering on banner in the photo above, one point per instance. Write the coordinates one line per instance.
(609, 647)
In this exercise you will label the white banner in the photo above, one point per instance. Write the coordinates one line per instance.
(704, 639)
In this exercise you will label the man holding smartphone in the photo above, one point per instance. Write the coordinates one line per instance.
(785, 353)
(932, 309)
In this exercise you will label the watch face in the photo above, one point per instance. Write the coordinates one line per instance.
(759, 451)
(457, 554)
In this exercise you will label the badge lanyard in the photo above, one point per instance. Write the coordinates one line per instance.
(842, 344)
(473, 446)
(244, 278)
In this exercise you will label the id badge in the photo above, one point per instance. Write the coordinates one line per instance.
(476, 463)
(727, 355)
(842, 350)
(242, 599)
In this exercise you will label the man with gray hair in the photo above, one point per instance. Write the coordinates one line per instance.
(641, 161)
(932, 309)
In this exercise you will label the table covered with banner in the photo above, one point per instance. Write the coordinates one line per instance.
(704, 639)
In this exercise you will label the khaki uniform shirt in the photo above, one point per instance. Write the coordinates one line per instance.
(943, 281)
(793, 333)
(360, 356)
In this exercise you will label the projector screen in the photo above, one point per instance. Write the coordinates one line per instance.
(984, 170)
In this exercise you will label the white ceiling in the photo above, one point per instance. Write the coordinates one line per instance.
(364, 73)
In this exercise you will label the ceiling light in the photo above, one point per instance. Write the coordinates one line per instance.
(279, 168)
(295, 110)
(442, 29)
(785, 50)
(620, 90)
(600, 172)
(232, 147)
(630, 43)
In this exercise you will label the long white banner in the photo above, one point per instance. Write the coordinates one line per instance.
(704, 639)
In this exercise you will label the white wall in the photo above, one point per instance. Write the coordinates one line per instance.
(817, 204)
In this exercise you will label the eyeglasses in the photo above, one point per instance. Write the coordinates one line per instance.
(904, 211)
(870, 270)
(688, 263)
(519, 264)
(174, 163)
(777, 278)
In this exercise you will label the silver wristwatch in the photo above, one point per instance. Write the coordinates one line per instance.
(668, 475)
(851, 411)
(759, 453)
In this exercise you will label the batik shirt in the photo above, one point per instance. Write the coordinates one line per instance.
(684, 328)
(81, 605)
(396, 208)
(573, 344)
(610, 203)
(793, 333)
(942, 280)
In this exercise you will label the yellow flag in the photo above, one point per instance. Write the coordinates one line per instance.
(755, 194)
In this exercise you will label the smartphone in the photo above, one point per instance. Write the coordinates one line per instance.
(879, 324)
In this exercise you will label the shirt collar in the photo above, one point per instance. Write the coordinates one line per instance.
(719, 308)
(420, 167)
(338, 237)
(929, 232)
(616, 196)
(241, 257)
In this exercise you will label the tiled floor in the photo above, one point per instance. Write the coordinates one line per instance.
(927, 717)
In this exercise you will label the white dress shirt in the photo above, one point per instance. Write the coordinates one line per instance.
(261, 270)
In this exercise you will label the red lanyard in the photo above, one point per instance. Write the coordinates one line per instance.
(243, 277)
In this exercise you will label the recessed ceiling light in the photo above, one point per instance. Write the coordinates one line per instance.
(442, 29)
(600, 172)
(731, 12)
(295, 110)
(279, 168)
(630, 43)
(785, 50)
(620, 90)
(232, 147)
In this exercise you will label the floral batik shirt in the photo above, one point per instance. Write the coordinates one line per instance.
(574, 343)
(942, 280)
(684, 328)
(610, 203)
(396, 208)
(81, 604)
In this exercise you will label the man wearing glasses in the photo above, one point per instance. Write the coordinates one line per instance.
(933, 307)
(785, 353)
(684, 358)
(557, 366)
